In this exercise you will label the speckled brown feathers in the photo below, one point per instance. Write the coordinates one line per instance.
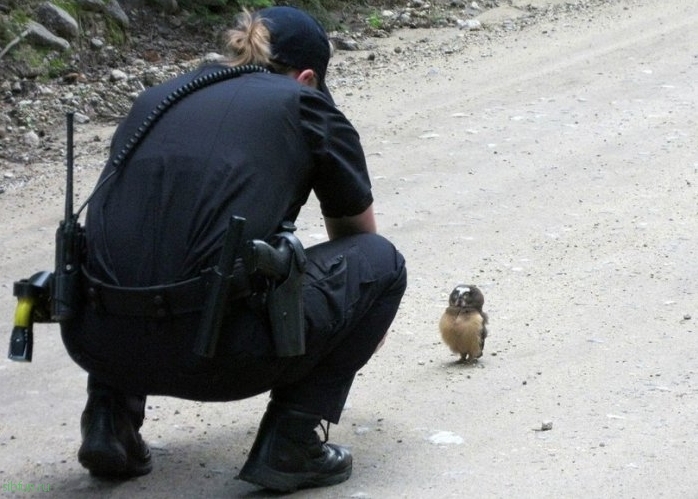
(463, 324)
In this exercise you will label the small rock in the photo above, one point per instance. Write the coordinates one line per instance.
(32, 139)
(212, 57)
(446, 438)
(348, 44)
(469, 24)
(546, 425)
(117, 75)
(81, 118)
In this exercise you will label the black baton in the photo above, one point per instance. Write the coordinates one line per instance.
(216, 303)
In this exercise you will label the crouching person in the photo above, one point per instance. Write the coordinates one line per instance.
(251, 145)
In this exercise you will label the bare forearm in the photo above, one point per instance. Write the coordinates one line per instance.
(341, 227)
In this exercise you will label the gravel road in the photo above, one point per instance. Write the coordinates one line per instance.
(556, 168)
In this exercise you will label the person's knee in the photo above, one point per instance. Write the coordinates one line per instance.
(383, 254)
(401, 275)
(387, 257)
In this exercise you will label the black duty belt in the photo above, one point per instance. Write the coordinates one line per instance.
(161, 301)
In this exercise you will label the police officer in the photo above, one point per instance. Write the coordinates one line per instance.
(254, 146)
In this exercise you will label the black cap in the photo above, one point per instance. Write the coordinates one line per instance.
(298, 41)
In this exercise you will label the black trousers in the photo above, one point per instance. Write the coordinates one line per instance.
(351, 291)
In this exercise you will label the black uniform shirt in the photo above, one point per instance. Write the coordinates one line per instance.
(252, 146)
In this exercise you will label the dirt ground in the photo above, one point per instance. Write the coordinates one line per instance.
(557, 169)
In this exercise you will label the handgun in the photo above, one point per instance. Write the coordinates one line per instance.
(284, 262)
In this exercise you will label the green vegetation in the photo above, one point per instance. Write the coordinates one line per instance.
(11, 25)
(52, 63)
(56, 64)
(114, 32)
(69, 6)
(40, 61)
(255, 4)
(375, 21)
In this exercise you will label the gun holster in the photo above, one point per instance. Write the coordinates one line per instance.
(283, 262)
(285, 300)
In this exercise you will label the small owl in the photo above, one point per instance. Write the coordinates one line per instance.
(463, 323)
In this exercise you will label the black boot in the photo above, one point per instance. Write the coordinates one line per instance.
(288, 455)
(111, 445)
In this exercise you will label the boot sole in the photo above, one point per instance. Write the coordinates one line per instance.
(110, 465)
(288, 482)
